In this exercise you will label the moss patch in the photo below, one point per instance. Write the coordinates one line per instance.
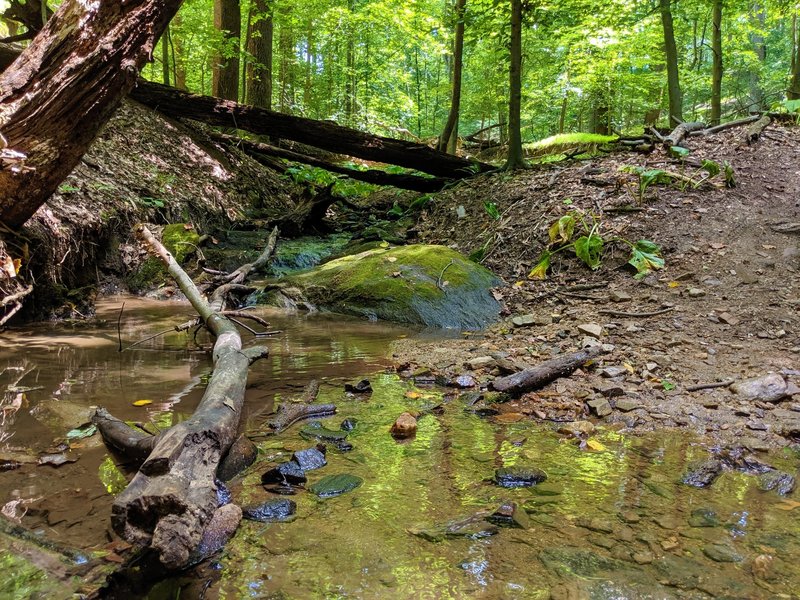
(150, 275)
(179, 240)
(419, 284)
(568, 142)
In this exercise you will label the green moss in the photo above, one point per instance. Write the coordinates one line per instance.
(420, 284)
(565, 142)
(22, 579)
(150, 274)
(179, 240)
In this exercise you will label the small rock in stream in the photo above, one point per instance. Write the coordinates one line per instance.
(722, 553)
(310, 459)
(514, 477)
(473, 527)
(287, 473)
(782, 483)
(702, 473)
(768, 388)
(335, 485)
(405, 426)
(362, 387)
(224, 495)
(464, 381)
(278, 509)
(704, 517)
(599, 406)
(336, 438)
(348, 424)
(509, 514)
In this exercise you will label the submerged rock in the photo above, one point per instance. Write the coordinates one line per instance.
(704, 517)
(783, 483)
(272, 510)
(335, 485)
(336, 437)
(513, 477)
(722, 553)
(348, 424)
(418, 284)
(224, 495)
(405, 426)
(509, 514)
(218, 532)
(311, 459)
(474, 526)
(703, 473)
(362, 387)
(288, 473)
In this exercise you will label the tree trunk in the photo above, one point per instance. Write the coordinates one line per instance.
(758, 20)
(178, 50)
(259, 69)
(448, 141)
(165, 79)
(793, 93)
(716, 67)
(671, 53)
(515, 158)
(63, 89)
(320, 134)
(225, 76)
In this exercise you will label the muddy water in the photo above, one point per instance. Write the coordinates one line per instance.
(609, 523)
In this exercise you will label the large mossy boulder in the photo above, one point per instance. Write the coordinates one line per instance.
(420, 284)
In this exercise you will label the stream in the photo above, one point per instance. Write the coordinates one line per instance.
(611, 521)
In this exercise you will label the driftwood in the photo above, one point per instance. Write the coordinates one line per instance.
(123, 438)
(680, 132)
(293, 411)
(173, 497)
(753, 133)
(541, 375)
(239, 276)
(373, 176)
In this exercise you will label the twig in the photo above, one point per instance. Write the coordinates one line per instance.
(636, 315)
(119, 327)
(152, 337)
(244, 315)
(16, 297)
(447, 266)
(710, 386)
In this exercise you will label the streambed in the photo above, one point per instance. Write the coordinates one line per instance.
(613, 522)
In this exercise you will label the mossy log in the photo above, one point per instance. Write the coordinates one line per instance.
(753, 133)
(548, 371)
(173, 497)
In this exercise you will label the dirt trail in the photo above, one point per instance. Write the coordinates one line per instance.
(731, 282)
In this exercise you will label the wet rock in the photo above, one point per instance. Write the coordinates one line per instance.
(643, 557)
(768, 388)
(593, 330)
(599, 406)
(243, 453)
(336, 438)
(577, 428)
(281, 489)
(348, 424)
(224, 495)
(611, 391)
(782, 483)
(762, 567)
(509, 514)
(678, 571)
(464, 381)
(702, 473)
(335, 485)
(57, 459)
(312, 458)
(481, 362)
(287, 473)
(704, 517)
(627, 404)
(405, 426)
(629, 516)
(362, 387)
(473, 527)
(583, 563)
(218, 532)
(595, 524)
(9, 465)
(722, 553)
(514, 477)
(272, 510)
(755, 444)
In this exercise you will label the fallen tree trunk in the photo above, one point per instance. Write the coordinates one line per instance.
(320, 134)
(373, 176)
(680, 132)
(753, 133)
(173, 497)
(541, 375)
(64, 87)
(725, 126)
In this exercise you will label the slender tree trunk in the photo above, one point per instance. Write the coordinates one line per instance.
(793, 93)
(309, 79)
(286, 50)
(349, 81)
(716, 67)
(515, 158)
(227, 19)
(448, 141)
(165, 57)
(562, 117)
(259, 68)
(758, 20)
(178, 52)
(671, 53)
(65, 86)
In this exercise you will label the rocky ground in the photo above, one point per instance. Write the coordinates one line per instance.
(724, 309)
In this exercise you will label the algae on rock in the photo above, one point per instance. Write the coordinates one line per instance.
(419, 284)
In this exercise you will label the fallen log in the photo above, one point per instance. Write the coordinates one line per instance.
(753, 133)
(173, 497)
(239, 276)
(541, 375)
(725, 126)
(680, 132)
(374, 176)
(320, 134)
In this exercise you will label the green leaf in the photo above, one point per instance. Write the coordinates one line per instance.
(710, 167)
(561, 231)
(84, 431)
(667, 385)
(646, 257)
(791, 105)
(679, 151)
(588, 249)
(540, 270)
(730, 181)
(491, 210)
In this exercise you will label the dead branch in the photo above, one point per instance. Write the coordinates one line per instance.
(725, 126)
(680, 132)
(753, 133)
(710, 386)
(541, 375)
(302, 408)
(239, 276)
(635, 315)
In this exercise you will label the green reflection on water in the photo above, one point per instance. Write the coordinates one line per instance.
(111, 477)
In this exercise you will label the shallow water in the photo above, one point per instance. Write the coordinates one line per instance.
(613, 523)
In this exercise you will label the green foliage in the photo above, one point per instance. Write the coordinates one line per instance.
(589, 248)
(492, 210)
(65, 188)
(645, 257)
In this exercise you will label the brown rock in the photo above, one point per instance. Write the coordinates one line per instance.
(405, 426)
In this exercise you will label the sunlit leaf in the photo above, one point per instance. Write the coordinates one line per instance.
(679, 151)
(142, 402)
(588, 249)
(561, 231)
(711, 167)
(595, 446)
(540, 270)
(645, 257)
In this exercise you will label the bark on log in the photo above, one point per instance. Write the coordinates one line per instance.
(65, 86)
(680, 132)
(373, 176)
(753, 133)
(724, 126)
(173, 497)
(541, 375)
(120, 436)
(320, 134)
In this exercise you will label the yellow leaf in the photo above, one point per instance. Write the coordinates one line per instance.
(595, 446)
(413, 395)
(674, 284)
(519, 284)
(788, 505)
(392, 259)
(628, 367)
(142, 402)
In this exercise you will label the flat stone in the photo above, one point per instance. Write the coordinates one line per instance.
(619, 296)
(590, 342)
(627, 404)
(783, 483)
(514, 477)
(524, 320)
(510, 514)
(405, 426)
(481, 362)
(628, 516)
(704, 517)
(600, 407)
(335, 485)
(755, 444)
(613, 371)
(279, 509)
(595, 524)
(611, 391)
(696, 292)
(643, 558)
(727, 319)
(577, 428)
(722, 553)
(767, 388)
(591, 329)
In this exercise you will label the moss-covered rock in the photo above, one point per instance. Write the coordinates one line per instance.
(181, 240)
(419, 284)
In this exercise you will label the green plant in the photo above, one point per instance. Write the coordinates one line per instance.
(588, 247)
(65, 188)
(492, 210)
(151, 202)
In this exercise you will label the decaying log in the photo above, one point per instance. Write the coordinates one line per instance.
(373, 176)
(173, 497)
(320, 134)
(292, 411)
(680, 132)
(725, 126)
(123, 438)
(541, 375)
(753, 133)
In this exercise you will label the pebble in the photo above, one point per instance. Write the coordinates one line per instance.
(591, 329)
(481, 362)
(405, 426)
(595, 524)
(627, 404)
(696, 292)
(611, 391)
(727, 319)
(524, 320)
(628, 516)
(722, 553)
(577, 428)
(600, 407)
(767, 388)
(643, 558)
(669, 544)
(619, 296)
(613, 371)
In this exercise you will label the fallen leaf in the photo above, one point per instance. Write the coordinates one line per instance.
(113, 557)
(768, 246)
(788, 505)
(674, 284)
(142, 402)
(413, 395)
(82, 432)
(56, 460)
(595, 446)
(188, 226)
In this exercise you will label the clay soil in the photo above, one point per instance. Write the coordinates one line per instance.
(731, 284)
